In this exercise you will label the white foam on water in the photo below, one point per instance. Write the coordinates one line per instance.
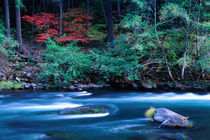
(82, 116)
(83, 93)
(60, 95)
(35, 107)
(170, 96)
(51, 107)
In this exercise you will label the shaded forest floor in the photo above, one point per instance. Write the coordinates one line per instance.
(25, 69)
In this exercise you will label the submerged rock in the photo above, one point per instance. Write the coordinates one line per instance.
(168, 118)
(88, 109)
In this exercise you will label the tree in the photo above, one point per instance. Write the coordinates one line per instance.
(48, 25)
(61, 17)
(18, 24)
(159, 43)
(118, 15)
(110, 35)
(69, 3)
(103, 10)
(32, 26)
(87, 10)
(7, 18)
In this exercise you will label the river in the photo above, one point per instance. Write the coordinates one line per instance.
(30, 115)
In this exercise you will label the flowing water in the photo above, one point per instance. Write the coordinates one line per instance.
(35, 115)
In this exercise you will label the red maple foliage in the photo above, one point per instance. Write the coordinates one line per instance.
(74, 26)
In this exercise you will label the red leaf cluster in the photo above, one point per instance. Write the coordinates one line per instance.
(74, 26)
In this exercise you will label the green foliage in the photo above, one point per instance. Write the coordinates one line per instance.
(172, 10)
(117, 60)
(7, 47)
(64, 64)
(150, 112)
(10, 85)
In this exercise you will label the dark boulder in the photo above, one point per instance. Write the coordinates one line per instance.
(88, 109)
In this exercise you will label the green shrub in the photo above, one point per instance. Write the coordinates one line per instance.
(64, 64)
(10, 85)
(118, 60)
(8, 48)
(150, 112)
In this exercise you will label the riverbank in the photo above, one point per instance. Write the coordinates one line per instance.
(140, 86)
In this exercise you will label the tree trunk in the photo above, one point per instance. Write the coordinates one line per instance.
(40, 3)
(32, 26)
(110, 36)
(159, 43)
(103, 10)
(197, 28)
(44, 6)
(61, 17)
(186, 45)
(7, 19)
(18, 26)
(72, 3)
(87, 11)
(184, 57)
(69, 3)
(118, 15)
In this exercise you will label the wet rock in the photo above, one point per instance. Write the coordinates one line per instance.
(33, 85)
(177, 85)
(17, 79)
(146, 85)
(72, 87)
(168, 118)
(163, 85)
(2, 75)
(85, 87)
(26, 85)
(88, 109)
(94, 86)
(29, 75)
(135, 86)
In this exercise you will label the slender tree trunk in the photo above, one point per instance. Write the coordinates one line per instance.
(110, 36)
(103, 10)
(118, 15)
(87, 11)
(7, 19)
(18, 26)
(72, 3)
(61, 17)
(197, 29)
(184, 57)
(159, 43)
(44, 5)
(186, 45)
(32, 26)
(40, 4)
(69, 3)
(47, 5)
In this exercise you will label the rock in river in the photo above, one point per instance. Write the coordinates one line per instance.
(168, 118)
(88, 109)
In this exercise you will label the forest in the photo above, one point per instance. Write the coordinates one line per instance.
(123, 43)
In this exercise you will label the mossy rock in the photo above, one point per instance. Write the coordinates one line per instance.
(88, 109)
(168, 118)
